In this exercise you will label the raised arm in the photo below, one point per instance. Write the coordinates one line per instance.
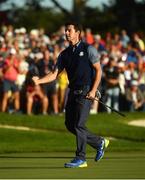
(52, 75)
(46, 79)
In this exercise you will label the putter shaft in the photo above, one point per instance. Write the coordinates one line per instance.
(114, 110)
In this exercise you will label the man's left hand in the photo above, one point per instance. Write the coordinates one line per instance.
(91, 95)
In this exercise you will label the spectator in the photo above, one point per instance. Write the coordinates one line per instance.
(62, 90)
(122, 86)
(135, 97)
(89, 36)
(139, 42)
(125, 39)
(99, 43)
(10, 74)
(142, 76)
(35, 95)
(124, 48)
(45, 65)
(132, 53)
(130, 73)
(23, 70)
(111, 76)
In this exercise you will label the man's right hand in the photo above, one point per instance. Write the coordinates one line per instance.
(35, 80)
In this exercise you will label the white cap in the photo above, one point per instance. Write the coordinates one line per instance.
(9, 34)
(12, 51)
(21, 45)
(1, 39)
(34, 32)
(97, 37)
(134, 83)
(23, 30)
(121, 64)
(17, 31)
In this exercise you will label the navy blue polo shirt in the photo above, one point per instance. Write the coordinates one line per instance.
(78, 64)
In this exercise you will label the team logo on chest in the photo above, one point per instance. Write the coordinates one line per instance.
(81, 53)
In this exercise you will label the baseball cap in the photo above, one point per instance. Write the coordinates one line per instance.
(12, 51)
(134, 83)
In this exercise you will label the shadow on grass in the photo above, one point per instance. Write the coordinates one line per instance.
(68, 157)
(30, 167)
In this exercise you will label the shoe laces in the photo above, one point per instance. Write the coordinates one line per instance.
(75, 160)
(101, 146)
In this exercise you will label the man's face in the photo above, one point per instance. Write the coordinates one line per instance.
(71, 33)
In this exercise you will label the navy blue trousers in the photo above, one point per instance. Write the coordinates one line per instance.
(77, 111)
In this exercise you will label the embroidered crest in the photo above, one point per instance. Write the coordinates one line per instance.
(81, 53)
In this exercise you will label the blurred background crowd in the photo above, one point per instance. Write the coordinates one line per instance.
(24, 54)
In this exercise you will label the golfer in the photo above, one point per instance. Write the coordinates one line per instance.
(81, 62)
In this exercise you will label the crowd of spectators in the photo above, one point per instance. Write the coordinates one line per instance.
(24, 54)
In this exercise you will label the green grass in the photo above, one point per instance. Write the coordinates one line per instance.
(51, 165)
(56, 137)
(41, 154)
(22, 141)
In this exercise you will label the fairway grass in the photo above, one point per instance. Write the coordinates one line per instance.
(114, 165)
(36, 147)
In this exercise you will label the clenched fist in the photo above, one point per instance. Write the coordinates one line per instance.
(35, 80)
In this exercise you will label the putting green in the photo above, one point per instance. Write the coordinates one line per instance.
(114, 165)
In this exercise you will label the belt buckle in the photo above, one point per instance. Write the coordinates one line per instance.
(78, 92)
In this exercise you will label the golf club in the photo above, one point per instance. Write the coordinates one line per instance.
(114, 110)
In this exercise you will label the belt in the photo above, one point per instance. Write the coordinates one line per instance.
(80, 90)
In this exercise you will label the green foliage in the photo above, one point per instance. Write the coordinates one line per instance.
(34, 4)
(99, 21)
(129, 14)
(46, 18)
(117, 15)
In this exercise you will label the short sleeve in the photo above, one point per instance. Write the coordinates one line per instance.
(59, 64)
(93, 55)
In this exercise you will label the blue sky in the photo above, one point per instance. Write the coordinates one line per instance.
(66, 3)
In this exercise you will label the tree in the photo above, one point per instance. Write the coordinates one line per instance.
(77, 12)
(2, 2)
(119, 14)
(127, 13)
(33, 4)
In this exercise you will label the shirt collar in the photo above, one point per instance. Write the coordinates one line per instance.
(76, 45)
